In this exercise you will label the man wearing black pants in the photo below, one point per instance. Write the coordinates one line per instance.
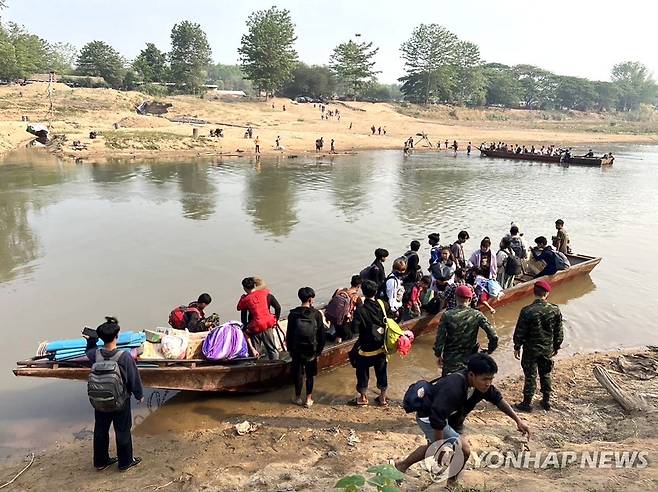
(306, 339)
(369, 322)
(108, 332)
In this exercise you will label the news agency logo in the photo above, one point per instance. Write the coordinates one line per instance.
(444, 459)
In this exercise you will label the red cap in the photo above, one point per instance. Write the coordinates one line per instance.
(464, 291)
(542, 284)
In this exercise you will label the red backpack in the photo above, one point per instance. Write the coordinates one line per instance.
(340, 308)
(177, 316)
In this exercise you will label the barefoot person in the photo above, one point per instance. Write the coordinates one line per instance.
(306, 338)
(441, 411)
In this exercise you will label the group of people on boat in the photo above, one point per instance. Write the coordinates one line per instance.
(454, 281)
(550, 150)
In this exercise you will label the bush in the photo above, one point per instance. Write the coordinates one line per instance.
(154, 90)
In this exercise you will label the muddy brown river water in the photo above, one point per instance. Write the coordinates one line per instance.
(78, 242)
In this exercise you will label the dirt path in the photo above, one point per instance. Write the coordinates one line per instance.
(79, 111)
(310, 449)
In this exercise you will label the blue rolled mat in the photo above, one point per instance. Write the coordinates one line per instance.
(125, 338)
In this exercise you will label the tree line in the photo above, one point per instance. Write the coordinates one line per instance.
(439, 68)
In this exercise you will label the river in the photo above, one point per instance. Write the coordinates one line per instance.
(78, 242)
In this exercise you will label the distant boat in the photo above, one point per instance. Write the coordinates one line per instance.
(557, 159)
(251, 375)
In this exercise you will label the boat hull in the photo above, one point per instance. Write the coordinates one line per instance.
(556, 159)
(252, 376)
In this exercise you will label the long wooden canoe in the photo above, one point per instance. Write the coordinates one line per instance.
(557, 159)
(260, 375)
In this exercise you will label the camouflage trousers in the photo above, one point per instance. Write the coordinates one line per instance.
(531, 365)
(454, 362)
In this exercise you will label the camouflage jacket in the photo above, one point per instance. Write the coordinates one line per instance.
(456, 338)
(539, 329)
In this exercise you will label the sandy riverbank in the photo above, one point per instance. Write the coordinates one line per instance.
(308, 449)
(76, 112)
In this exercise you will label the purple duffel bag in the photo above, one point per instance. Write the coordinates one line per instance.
(225, 342)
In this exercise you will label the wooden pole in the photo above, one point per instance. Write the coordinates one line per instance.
(628, 402)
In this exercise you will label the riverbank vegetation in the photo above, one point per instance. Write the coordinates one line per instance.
(439, 68)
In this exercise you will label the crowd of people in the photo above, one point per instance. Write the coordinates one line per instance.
(456, 281)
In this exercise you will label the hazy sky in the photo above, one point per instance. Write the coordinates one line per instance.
(569, 37)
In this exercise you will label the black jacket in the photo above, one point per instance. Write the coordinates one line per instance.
(291, 332)
(368, 319)
(450, 402)
(127, 367)
(413, 262)
(378, 273)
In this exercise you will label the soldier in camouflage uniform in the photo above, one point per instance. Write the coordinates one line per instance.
(539, 332)
(456, 339)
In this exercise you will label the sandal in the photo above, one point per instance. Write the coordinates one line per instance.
(358, 403)
(107, 465)
(380, 402)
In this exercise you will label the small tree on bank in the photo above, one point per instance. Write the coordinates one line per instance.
(99, 59)
(353, 65)
(190, 55)
(267, 53)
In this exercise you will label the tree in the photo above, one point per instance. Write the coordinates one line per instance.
(502, 85)
(99, 59)
(267, 53)
(470, 82)
(151, 64)
(314, 81)
(575, 93)
(229, 77)
(382, 92)
(61, 57)
(607, 95)
(353, 65)
(190, 54)
(429, 54)
(538, 86)
(635, 84)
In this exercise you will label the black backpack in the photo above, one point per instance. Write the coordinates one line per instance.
(513, 265)
(417, 395)
(517, 246)
(106, 389)
(306, 336)
(366, 273)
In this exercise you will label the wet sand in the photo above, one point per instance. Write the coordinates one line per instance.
(308, 449)
(79, 111)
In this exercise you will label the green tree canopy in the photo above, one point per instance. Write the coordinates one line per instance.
(635, 84)
(267, 53)
(470, 82)
(99, 59)
(151, 64)
(61, 57)
(353, 65)
(313, 81)
(429, 60)
(537, 85)
(229, 77)
(190, 55)
(502, 85)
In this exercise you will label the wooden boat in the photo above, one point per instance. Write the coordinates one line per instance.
(260, 375)
(557, 159)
